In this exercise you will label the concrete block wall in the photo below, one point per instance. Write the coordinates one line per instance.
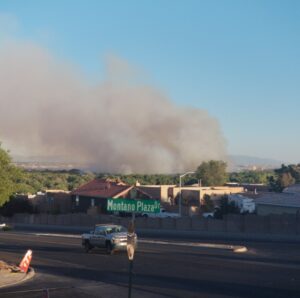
(168, 224)
(124, 221)
(141, 222)
(235, 223)
(298, 225)
(216, 225)
(257, 225)
(59, 220)
(198, 224)
(184, 223)
(67, 219)
(154, 223)
(85, 220)
(52, 219)
(283, 224)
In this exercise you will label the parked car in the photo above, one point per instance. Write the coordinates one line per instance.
(5, 227)
(2, 226)
(109, 236)
(208, 214)
(162, 214)
(212, 214)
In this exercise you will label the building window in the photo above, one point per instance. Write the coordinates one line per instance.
(77, 200)
(92, 202)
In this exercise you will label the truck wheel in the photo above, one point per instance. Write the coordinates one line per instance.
(109, 249)
(87, 247)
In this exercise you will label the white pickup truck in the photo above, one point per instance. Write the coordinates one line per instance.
(109, 236)
(162, 214)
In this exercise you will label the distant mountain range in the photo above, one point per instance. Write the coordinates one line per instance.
(235, 163)
(45, 163)
(240, 162)
(46, 159)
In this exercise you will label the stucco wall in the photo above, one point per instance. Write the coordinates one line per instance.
(211, 191)
(271, 209)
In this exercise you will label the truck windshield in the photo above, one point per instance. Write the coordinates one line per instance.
(116, 229)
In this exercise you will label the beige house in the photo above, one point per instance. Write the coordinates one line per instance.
(193, 194)
(198, 192)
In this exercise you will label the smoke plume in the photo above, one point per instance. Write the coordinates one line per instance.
(118, 125)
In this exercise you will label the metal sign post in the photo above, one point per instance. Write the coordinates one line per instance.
(131, 243)
(130, 278)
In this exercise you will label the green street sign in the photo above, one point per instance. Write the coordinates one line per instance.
(133, 206)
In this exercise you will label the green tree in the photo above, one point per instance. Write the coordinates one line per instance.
(212, 173)
(34, 181)
(294, 170)
(9, 177)
(251, 176)
(16, 205)
(284, 177)
(273, 183)
(226, 208)
(208, 205)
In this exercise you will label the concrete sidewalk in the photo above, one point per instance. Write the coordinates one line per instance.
(8, 278)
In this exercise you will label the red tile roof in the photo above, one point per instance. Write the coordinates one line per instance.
(101, 188)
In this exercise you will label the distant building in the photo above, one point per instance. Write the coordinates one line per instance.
(198, 192)
(278, 203)
(255, 187)
(292, 189)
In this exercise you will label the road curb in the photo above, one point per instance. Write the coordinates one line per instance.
(234, 248)
(27, 276)
(240, 249)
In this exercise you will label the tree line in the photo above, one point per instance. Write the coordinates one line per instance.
(211, 173)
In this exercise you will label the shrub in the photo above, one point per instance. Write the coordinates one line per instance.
(16, 205)
(7, 228)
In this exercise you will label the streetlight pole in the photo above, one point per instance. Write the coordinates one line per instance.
(180, 196)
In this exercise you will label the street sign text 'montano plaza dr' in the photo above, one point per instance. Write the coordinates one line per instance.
(133, 206)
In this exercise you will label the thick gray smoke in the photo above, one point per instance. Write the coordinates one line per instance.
(47, 108)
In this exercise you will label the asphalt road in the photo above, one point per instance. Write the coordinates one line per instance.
(64, 269)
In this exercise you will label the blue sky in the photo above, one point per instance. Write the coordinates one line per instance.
(239, 60)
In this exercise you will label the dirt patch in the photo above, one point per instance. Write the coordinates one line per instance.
(5, 267)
